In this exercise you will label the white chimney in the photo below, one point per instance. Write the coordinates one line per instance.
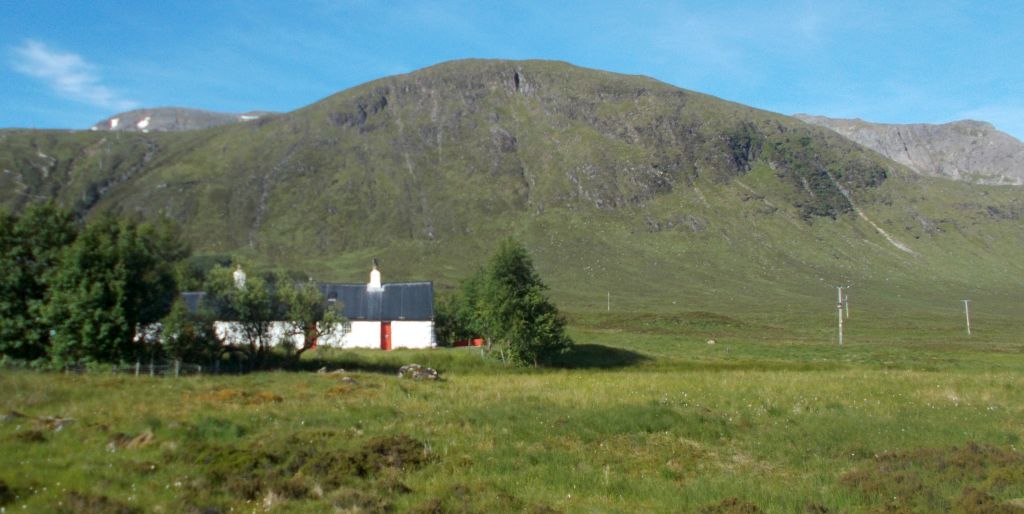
(374, 277)
(239, 277)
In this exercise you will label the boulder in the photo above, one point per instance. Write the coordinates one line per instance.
(417, 372)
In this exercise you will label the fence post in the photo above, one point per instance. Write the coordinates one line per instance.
(151, 371)
(177, 368)
(137, 366)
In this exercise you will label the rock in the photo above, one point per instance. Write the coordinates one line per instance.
(322, 370)
(426, 374)
(407, 370)
(712, 341)
(140, 440)
(348, 380)
(126, 441)
(270, 500)
(55, 423)
(11, 416)
(417, 372)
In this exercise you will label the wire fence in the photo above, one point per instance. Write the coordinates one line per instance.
(152, 368)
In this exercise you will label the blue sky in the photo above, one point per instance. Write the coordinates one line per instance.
(70, 63)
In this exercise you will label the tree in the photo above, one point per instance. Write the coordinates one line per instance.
(115, 278)
(511, 308)
(250, 305)
(165, 246)
(189, 336)
(308, 314)
(30, 245)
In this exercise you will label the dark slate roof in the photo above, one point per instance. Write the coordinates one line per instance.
(411, 301)
(402, 301)
(192, 300)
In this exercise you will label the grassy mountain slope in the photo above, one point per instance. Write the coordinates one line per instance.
(671, 200)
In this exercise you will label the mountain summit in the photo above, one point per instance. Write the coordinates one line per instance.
(968, 150)
(172, 119)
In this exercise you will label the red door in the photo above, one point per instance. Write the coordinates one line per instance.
(385, 335)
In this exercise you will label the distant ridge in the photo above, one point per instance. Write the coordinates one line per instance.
(968, 150)
(172, 119)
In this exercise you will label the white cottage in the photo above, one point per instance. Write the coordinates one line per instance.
(385, 316)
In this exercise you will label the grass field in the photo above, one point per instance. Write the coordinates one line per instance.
(645, 416)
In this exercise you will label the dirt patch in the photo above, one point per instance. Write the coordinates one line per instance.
(83, 503)
(128, 442)
(341, 389)
(915, 480)
(241, 397)
(472, 498)
(974, 501)
(355, 500)
(399, 452)
(7, 494)
(55, 423)
(30, 436)
(731, 506)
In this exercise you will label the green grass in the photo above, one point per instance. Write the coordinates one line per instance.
(654, 421)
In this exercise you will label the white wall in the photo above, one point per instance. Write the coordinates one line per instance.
(358, 334)
(231, 332)
(412, 334)
(362, 334)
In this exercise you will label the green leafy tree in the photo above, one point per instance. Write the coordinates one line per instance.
(164, 250)
(458, 315)
(189, 336)
(30, 245)
(114, 279)
(512, 309)
(252, 308)
(307, 314)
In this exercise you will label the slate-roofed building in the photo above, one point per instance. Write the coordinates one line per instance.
(385, 316)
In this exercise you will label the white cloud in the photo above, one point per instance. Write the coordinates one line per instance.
(68, 74)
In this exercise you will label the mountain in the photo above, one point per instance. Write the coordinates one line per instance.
(967, 150)
(622, 186)
(172, 119)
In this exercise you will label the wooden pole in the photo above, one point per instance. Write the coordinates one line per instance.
(967, 314)
(839, 307)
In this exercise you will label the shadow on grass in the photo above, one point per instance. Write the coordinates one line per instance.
(596, 356)
(350, 362)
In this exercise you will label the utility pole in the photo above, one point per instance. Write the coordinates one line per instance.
(967, 314)
(839, 307)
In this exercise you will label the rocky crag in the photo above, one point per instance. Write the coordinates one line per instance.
(968, 150)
